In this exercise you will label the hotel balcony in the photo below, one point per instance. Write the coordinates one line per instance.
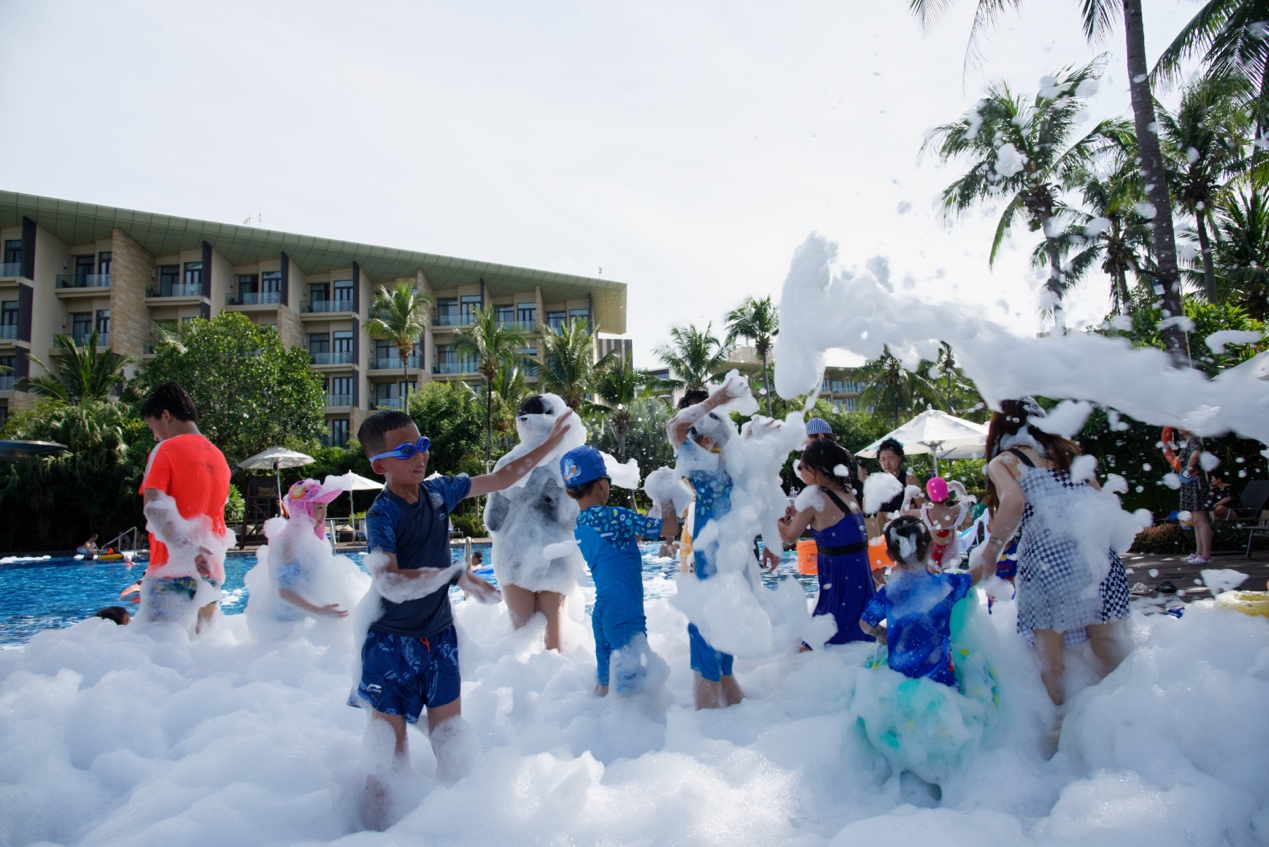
(393, 362)
(9, 332)
(254, 298)
(10, 270)
(177, 290)
(67, 283)
(454, 368)
(336, 357)
(338, 400)
(449, 321)
(396, 404)
(317, 308)
(6, 382)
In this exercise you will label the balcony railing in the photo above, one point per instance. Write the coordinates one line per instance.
(454, 320)
(82, 338)
(337, 357)
(180, 289)
(339, 400)
(6, 382)
(10, 269)
(454, 367)
(523, 326)
(253, 298)
(394, 403)
(9, 331)
(328, 306)
(393, 362)
(83, 281)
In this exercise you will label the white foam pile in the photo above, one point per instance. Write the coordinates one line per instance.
(141, 736)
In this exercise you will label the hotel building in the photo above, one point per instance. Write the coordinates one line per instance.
(71, 268)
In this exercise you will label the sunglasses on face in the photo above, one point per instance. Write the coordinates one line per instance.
(406, 450)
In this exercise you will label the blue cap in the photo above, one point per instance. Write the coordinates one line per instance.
(582, 465)
(818, 426)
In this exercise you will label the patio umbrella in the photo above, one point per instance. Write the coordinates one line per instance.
(357, 482)
(937, 433)
(13, 450)
(275, 458)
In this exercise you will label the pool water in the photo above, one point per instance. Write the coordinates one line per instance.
(50, 593)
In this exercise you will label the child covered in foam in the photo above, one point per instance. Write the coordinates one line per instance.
(922, 718)
(944, 511)
(297, 575)
(608, 537)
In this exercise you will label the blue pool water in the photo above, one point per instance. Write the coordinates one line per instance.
(50, 593)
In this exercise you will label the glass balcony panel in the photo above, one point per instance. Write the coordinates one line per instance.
(82, 280)
(335, 357)
(9, 331)
(11, 269)
(6, 382)
(176, 289)
(393, 361)
(338, 399)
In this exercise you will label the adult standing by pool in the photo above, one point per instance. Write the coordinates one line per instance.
(186, 486)
(1196, 496)
(1030, 490)
(890, 456)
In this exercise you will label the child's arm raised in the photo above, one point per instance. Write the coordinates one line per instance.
(510, 473)
(678, 425)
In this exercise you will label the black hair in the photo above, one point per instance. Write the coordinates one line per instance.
(118, 614)
(825, 455)
(693, 396)
(1013, 417)
(533, 405)
(577, 492)
(171, 398)
(893, 445)
(373, 429)
(907, 528)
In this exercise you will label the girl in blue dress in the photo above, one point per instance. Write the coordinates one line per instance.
(829, 508)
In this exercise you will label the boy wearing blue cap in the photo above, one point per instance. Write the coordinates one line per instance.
(608, 537)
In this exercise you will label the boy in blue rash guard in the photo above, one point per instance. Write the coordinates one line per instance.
(916, 605)
(608, 539)
(410, 655)
(700, 436)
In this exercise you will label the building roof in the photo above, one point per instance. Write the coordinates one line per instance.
(77, 223)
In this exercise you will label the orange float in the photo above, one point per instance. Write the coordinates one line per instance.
(808, 556)
(1169, 448)
(878, 558)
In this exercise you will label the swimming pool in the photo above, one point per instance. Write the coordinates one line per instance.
(50, 593)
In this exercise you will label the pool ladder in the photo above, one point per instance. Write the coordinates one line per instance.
(130, 533)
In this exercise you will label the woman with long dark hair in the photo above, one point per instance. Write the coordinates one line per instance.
(1061, 588)
(837, 524)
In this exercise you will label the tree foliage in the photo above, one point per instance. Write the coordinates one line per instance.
(251, 391)
(81, 374)
(694, 356)
(55, 502)
(756, 320)
(400, 315)
(453, 417)
(569, 368)
(493, 345)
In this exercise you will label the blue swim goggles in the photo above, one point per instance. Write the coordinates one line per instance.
(406, 450)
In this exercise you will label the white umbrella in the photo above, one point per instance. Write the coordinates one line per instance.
(275, 458)
(937, 433)
(357, 482)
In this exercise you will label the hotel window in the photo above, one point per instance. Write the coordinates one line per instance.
(341, 389)
(467, 306)
(81, 324)
(527, 314)
(555, 320)
(247, 284)
(318, 293)
(103, 321)
(84, 266)
(344, 295)
(271, 283)
(103, 262)
(319, 342)
(9, 313)
(168, 275)
(13, 252)
(339, 432)
(447, 312)
(194, 275)
(584, 314)
(506, 314)
(343, 344)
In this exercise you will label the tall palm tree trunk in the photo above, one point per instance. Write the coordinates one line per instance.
(1055, 278)
(405, 379)
(1152, 174)
(766, 385)
(488, 420)
(1205, 249)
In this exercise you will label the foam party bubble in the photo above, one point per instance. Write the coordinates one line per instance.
(664, 485)
(623, 476)
(879, 489)
(196, 558)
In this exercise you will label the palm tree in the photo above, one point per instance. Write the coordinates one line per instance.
(1097, 17)
(1023, 153)
(83, 373)
(695, 356)
(400, 315)
(492, 344)
(568, 361)
(1230, 35)
(1203, 148)
(1109, 227)
(757, 321)
(1242, 251)
(617, 383)
(892, 388)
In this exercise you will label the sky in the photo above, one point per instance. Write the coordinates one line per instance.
(684, 148)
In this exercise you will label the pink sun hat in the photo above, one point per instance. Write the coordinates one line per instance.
(306, 494)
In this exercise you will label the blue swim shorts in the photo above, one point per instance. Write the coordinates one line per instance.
(707, 661)
(400, 674)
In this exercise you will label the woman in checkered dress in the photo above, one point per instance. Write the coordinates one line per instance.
(1061, 587)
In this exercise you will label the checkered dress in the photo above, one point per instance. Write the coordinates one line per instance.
(1053, 577)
